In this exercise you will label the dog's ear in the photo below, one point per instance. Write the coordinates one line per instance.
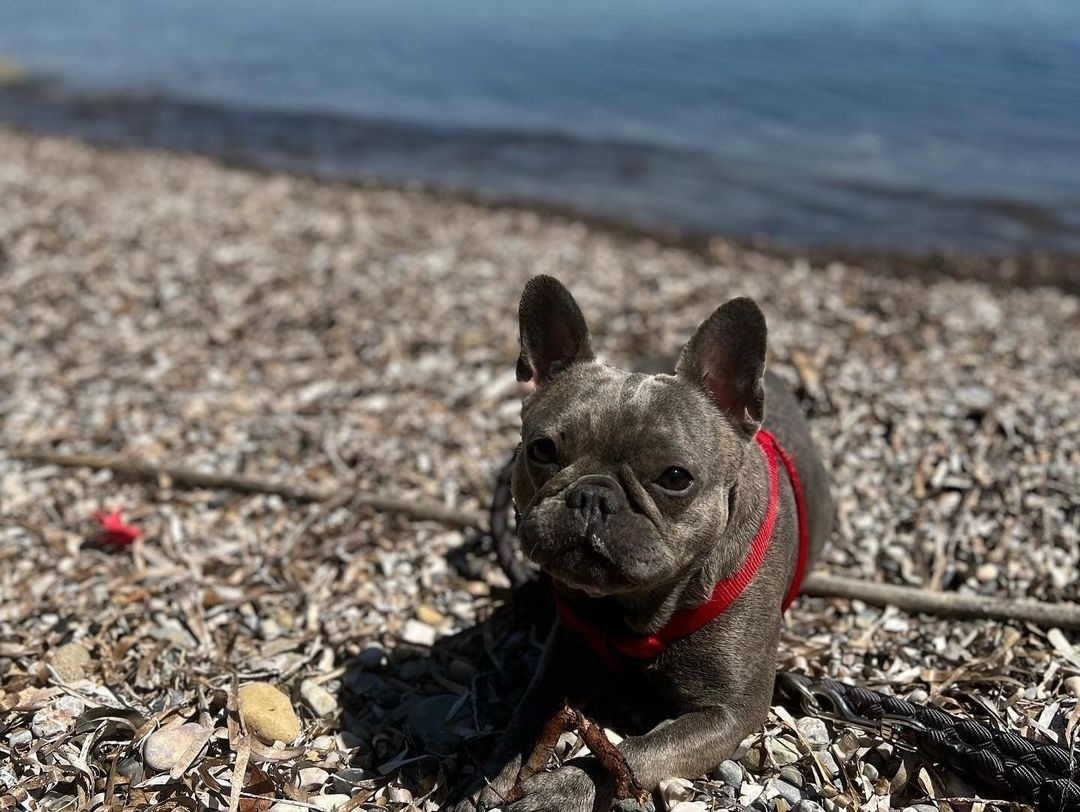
(554, 334)
(726, 357)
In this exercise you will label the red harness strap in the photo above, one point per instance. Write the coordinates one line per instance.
(608, 645)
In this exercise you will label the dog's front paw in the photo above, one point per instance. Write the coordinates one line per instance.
(568, 789)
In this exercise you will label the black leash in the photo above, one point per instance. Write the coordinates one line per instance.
(1012, 766)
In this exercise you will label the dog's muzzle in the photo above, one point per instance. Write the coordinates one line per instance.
(593, 499)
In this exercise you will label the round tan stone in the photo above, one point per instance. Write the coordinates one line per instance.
(267, 713)
(70, 661)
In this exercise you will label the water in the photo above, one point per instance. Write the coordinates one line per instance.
(895, 123)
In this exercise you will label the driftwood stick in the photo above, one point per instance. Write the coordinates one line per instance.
(945, 604)
(607, 755)
(910, 599)
(419, 510)
(537, 762)
(611, 759)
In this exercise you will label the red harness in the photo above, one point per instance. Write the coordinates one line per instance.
(609, 645)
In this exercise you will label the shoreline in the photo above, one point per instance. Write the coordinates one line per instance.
(1023, 268)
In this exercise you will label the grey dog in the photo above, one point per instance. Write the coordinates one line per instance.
(674, 515)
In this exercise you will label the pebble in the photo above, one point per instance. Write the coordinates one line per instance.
(430, 616)
(372, 656)
(462, 670)
(349, 778)
(782, 752)
(267, 712)
(20, 738)
(1072, 685)
(428, 719)
(674, 790)
(329, 802)
(814, 731)
(70, 661)
(828, 762)
(164, 748)
(730, 772)
(312, 777)
(787, 792)
(418, 633)
(985, 573)
(320, 700)
(808, 806)
(57, 717)
(793, 776)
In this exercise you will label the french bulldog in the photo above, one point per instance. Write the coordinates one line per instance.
(674, 515)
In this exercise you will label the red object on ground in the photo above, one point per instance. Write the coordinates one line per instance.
(113, 529)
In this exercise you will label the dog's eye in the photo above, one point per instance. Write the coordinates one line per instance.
(675, 479)
(542, 451)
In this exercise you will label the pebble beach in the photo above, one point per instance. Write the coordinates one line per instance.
(177, 311)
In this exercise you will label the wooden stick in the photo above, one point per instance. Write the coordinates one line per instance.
(420, 510)
(910, 599)
(945, 604)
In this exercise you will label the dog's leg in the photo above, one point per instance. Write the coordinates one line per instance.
(551, 686)
(690, 745)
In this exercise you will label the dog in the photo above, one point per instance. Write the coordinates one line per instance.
(674, 516)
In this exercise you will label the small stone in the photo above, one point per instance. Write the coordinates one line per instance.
(71, 705)
(312, 777)
(430, 616)
(793, 776)
(418, 633)
(329, 802)
(689, 806)
(267, 713)
(20, 738)
(674, 790)
(320, 700)
(829, 763)
(428, 720)
(70, 661)
(754, 759)
(788, 792)
(985, 573)
(462, 670)
(847, 745)
(288, 806)
(269, 629)
(814, 731)
(398, 795)
(164, 748)
(349, 778)
(372, 656)
(870, 772)
(730, 773)
(1072, 685)
(808, 806)
(57, 717)
(782, 752)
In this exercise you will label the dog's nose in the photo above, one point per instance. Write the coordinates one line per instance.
(596, 493)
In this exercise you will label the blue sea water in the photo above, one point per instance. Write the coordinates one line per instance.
(908, 124)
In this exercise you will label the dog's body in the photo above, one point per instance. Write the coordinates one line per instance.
(637, 494)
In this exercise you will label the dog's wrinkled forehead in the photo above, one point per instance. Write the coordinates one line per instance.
(612, 414)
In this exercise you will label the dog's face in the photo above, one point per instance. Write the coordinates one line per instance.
(624, 480)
